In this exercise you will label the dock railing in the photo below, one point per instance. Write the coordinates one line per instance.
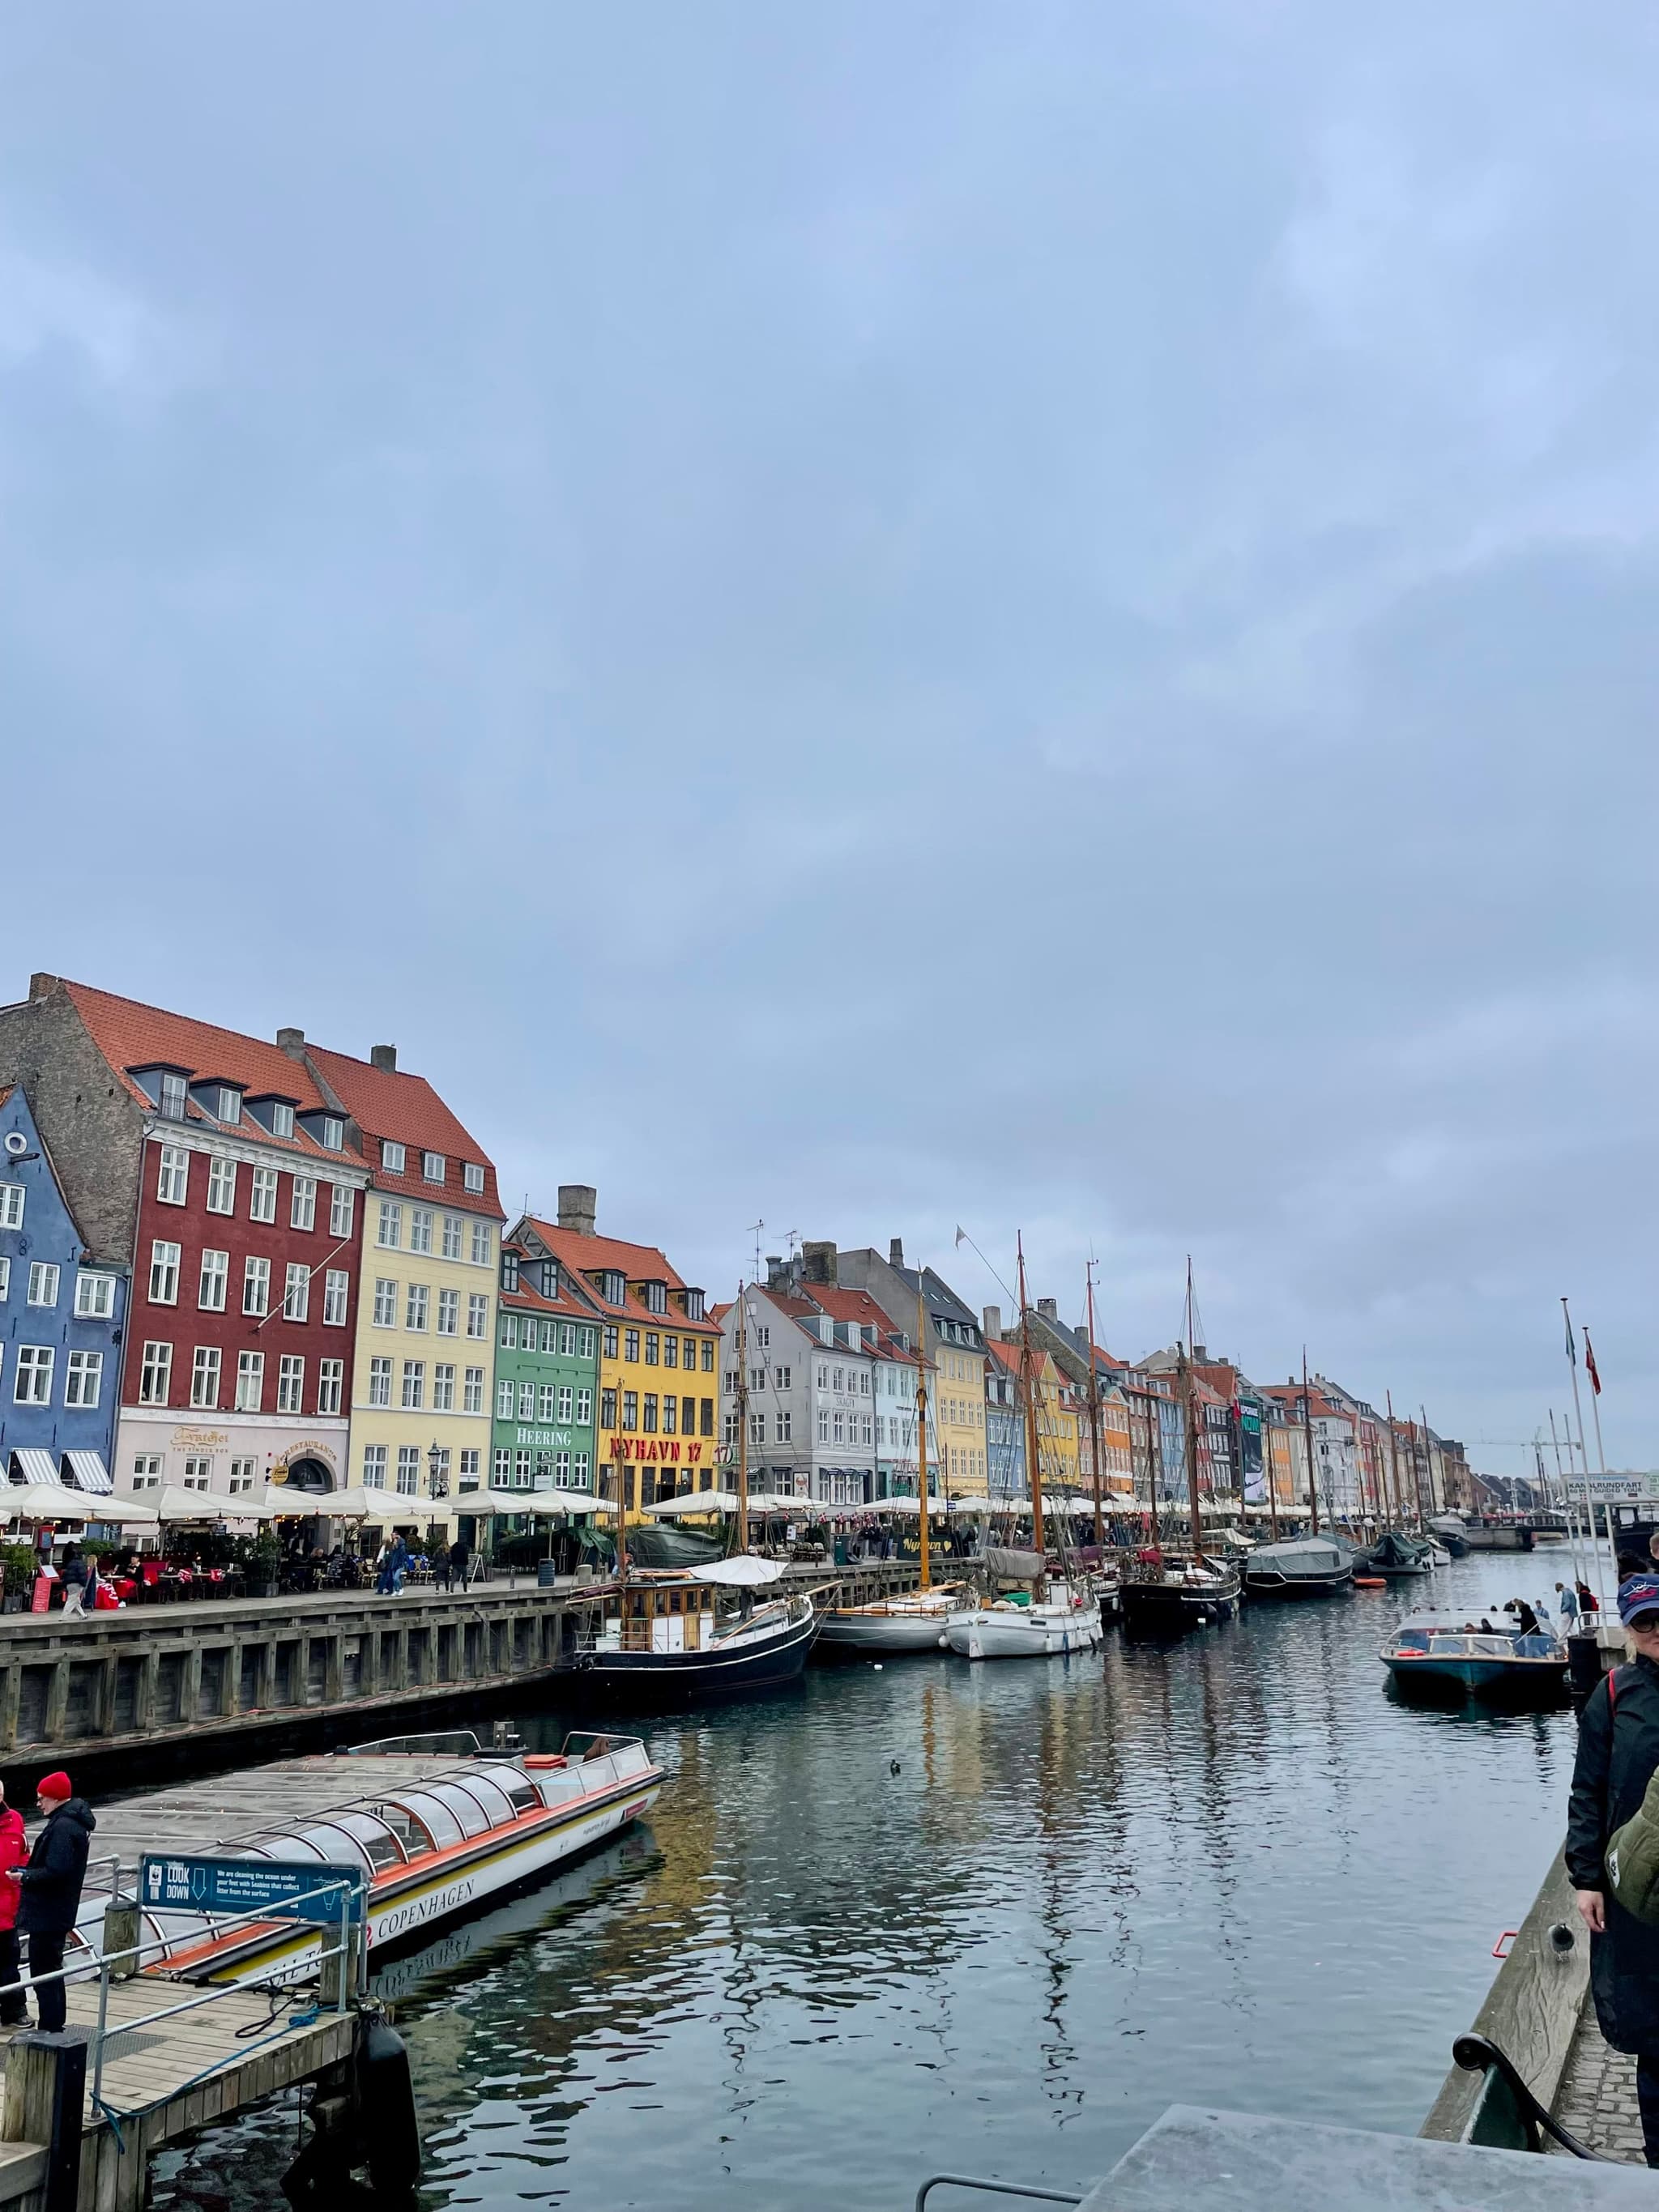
(122, 1962)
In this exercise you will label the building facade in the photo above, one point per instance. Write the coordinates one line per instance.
(62, 1313)
(547, 1377)
(954, 1350)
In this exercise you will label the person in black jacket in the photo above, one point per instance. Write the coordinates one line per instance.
(52, 1887)
(1618, 1754)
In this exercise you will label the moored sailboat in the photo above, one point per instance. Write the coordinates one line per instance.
(1163, 1594)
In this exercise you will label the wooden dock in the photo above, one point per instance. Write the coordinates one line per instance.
(160, 2082)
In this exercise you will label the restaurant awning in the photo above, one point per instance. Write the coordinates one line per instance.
(540, 1504)
(35, 1467)
(51, 1501)
(88, 1471)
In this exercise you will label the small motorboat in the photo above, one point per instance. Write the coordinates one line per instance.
(914, 1621)
(1041, 1627)
(1169, 1595)
(697, 1632)
(1441, 1647)
(1449, 1532)
(1302, 1566)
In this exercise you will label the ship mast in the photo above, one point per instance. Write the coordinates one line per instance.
(743, 1418)
(1188, 1411)
(1094, 1409)
(922, 1427)
(1039, 1541)
(1307, 1431)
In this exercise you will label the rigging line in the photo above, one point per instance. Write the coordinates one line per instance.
(962, 1237)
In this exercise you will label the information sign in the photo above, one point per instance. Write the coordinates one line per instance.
(275, 1890)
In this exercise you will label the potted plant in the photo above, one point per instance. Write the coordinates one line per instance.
(264, 1558)
(18, 1569)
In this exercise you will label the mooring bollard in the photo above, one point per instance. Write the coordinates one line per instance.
(45, 2092)
(121, 1933)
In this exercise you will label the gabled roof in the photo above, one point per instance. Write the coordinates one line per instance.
(588, 1257)
(389, 1103)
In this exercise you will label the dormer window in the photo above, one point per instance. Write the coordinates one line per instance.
(693, 1306)
(228, 1106)
(332, 1133)
(549, 1278)
(613, 1287)
(281, 1118)
(656, 1297)
(392, 1156)
(509, 1270)
(472, 1177)
(432, 1167)
(173, 1093)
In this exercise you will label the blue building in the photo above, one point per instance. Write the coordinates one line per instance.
(61, 1317)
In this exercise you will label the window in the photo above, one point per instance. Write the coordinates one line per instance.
(607, 1409)
(566, 1397)
(688, 1416)
(544, 1402)
(296, 1290)
(839, 1435)
(6, 1278)
(630, 1418)
(449, 1313)
(443, 1388)
(336, 1292)
(173, 1176)
(281, 1118)
(823, 1377)
(670, 1351)
(502, 1463)
(204, 1376)
(671, 1413)
(421, 1218)
(380, 1381)
(290, 1383)
(256, 1287)
(611, 1339)
(392, 1156)
(567, 1338)
(707, 1355)
(414, 1395)
(785, 1423)
(651, 1347)
(374, 1466)
(85, 1379)
(414, 1306)
(579, 1471)
(705, 1407)
(757, 1428)
(11, 1205)
(477, 1314)
(507, 1336)
(731, 1425)
(250, 1381)
(432, 1167)
(241, 1476)
(865, 1433)
(472, 1177)
(210, 1289)
(155, 1373)
(333, 1130)
(409, 1470)
(302, 1207)
(689, 1350)
(650, 1421)
(173, 1093)
(198, 1472)
(392, 1225)
(163, 1275)
(521, 1470)
(261, 1201)
(330, 1385)
(472, 1390)
(221, 1186)
(630, 1344)
(481, 1253)
(782, 1376)
(656, 1297)
(94, 1297)
(43, 1279)
(385, 1302)
(147, 1470)
(341, 1210)
(452, 1236)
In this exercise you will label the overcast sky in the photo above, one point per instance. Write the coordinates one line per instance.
(882, 616)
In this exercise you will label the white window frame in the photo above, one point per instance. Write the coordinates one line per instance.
(296, 1290)
(291, 1382)
(12, 1196)
(255, 1286)
(333, 1136)
(173, 1176)
(230, 1107)
(379, 1381)
(418, 1301)
(374, 1466)
(221, 1186)
(443, 1387)
(205, 1376)
(392, 1156)
(472, 1178)
(302, 1203)
(214, 1275)
(481, 1253)
(155, 1373)
(566, 1400)
(250, 1381)
(330, 1385)
(383, 1312)
(434, 1167)
(453, 1234)
(164, 1263)
(32, 1375)
(262, 1195)
(341, 1210)
(477, 1314)
(409, 1471)
(389, 1233)
(422, 1221)
(46, 1280)
(506, 1394)
(449, 1314)
(94, 1296)
(83, 1379)
(472, 1392)
(337, 1298)
(281, 1118)
(412, 1399)
(526, 1401)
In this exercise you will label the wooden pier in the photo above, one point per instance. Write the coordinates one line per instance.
(116, 1681)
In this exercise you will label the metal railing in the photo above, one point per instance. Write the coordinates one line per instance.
(992, 2189)
(352, 1943)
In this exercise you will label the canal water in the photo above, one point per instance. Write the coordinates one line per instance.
(992, 1918)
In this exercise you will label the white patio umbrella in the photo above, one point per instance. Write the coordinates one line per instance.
(174, 1502)
(541, 1505)
(357, 1504)
(54, 1501)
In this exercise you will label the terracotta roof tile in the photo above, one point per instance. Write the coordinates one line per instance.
(392, 1103)
(588, 1256)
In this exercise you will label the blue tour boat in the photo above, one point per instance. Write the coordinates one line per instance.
(1438, 1646)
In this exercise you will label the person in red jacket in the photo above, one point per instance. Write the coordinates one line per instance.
(14, 1852)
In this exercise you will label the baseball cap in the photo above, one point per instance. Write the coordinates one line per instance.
(1638, 1594)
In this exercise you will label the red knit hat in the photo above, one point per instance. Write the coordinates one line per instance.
(54, 1785)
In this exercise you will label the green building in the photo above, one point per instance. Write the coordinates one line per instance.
(547, 1375)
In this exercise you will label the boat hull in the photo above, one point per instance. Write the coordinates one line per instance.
(1165, 1609)
(761, 1663)
(1037, 1632)
(1484, 1676)
(849, 1634)
(1298, 1585)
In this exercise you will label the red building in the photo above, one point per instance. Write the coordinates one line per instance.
(247, 1212)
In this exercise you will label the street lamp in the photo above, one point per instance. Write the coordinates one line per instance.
(437, 1472)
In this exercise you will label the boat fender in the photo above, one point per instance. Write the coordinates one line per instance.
(385, 2099)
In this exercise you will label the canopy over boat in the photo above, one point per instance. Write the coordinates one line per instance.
(1302, 1555)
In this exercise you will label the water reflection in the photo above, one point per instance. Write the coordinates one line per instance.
(995, 1918)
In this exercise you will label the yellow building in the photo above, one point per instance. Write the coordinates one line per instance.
(659, 1426)
(426, 1304)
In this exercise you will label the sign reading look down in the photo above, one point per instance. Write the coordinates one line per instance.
(170, 1883)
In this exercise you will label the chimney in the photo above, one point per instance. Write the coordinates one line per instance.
(776, 1276)
(42, 987)
(579, 1205)
(1202, 1354)
(1050, 1308)
(819, 1263)
(896, 1252)
(292, 1041)
(992, 1320)
(385, 1057)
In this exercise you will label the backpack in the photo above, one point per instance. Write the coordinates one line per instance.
(1632, 1852)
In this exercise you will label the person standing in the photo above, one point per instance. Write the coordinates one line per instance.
(73, 1574)
(459, 1558)
(50, 1886)
(1618, 1754)
(1569, 1603)
(14, 1850)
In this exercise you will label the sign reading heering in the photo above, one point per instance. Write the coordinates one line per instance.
(279, 1892)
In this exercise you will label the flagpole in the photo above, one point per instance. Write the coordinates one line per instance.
(1584, 1456)
(1564, 1481)
(1596, 1400)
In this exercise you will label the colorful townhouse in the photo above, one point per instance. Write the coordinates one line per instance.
(62, 1308)
(954, 1350)
(823, 1364)
(424, 1339)
(1004, 1417)
(547, 1375)
(658, 1384)
(211, 1167)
